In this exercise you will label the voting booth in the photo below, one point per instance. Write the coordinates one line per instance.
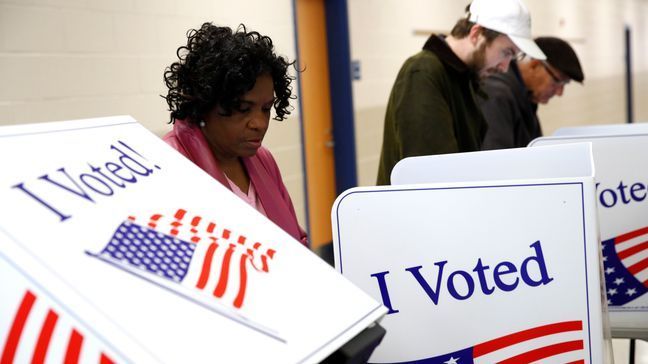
(476, 265)
(114, 246)
(620, 158)
(603, 129)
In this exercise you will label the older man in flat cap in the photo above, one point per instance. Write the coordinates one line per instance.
(513, 97)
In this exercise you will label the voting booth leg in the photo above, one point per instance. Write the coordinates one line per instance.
(632, 352)
(359, 349)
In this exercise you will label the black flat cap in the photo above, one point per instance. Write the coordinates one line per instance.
(561, 56)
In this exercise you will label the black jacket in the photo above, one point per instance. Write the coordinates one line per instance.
(432, 108)
(509, 111)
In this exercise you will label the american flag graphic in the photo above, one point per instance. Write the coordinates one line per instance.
(625, 265)
(191, 252)
(38, 333)
(560, 342)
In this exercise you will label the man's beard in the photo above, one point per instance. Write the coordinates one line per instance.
(478, 63)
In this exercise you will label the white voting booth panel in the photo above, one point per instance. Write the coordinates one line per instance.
(479, 270)
(493, 165)
(621, 183)
(149, 254)
(603, 129)
(50, 321)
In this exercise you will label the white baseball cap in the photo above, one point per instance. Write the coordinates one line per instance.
(510, 17)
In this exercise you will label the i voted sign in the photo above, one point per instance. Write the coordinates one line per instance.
(621, 189)
(162, 251)
(477, 272)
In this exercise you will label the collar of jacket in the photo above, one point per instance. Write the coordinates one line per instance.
(515, 70)
(436, 44)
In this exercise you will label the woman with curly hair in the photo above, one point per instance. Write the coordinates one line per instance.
(221, 92)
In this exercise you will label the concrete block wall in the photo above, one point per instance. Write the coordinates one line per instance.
(72, 59)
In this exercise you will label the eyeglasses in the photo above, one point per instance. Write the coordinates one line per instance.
(554, 77)
(510, 54)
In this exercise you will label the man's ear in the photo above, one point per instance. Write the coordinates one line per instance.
(474, 34)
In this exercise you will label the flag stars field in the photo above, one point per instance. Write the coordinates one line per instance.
(148, 251)
(625, 260)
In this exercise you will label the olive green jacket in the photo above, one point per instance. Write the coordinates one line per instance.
(432, 108)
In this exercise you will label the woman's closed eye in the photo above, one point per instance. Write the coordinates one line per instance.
(268, 105)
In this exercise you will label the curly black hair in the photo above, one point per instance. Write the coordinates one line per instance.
(219, 65)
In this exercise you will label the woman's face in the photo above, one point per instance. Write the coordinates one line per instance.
(241, 133)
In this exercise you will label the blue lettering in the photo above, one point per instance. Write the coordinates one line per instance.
(96, 181)
(433, 294)
(542, 267)
(130, 162)
(99, 171)
(114, 168)
(384, 293)
(611, 194)
(479, 269)
(85, 177)
(622, 193)
(609, 197)
(79, 192)
(508, 268)
(469, 282)
(638, 187)
(461, 285)
(62, 216)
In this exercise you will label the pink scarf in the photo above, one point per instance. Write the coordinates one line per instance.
(189, 140)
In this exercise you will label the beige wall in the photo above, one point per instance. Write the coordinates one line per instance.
(383, 36)
(70, 59)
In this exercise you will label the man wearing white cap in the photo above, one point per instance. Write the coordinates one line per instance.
(432, 107)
